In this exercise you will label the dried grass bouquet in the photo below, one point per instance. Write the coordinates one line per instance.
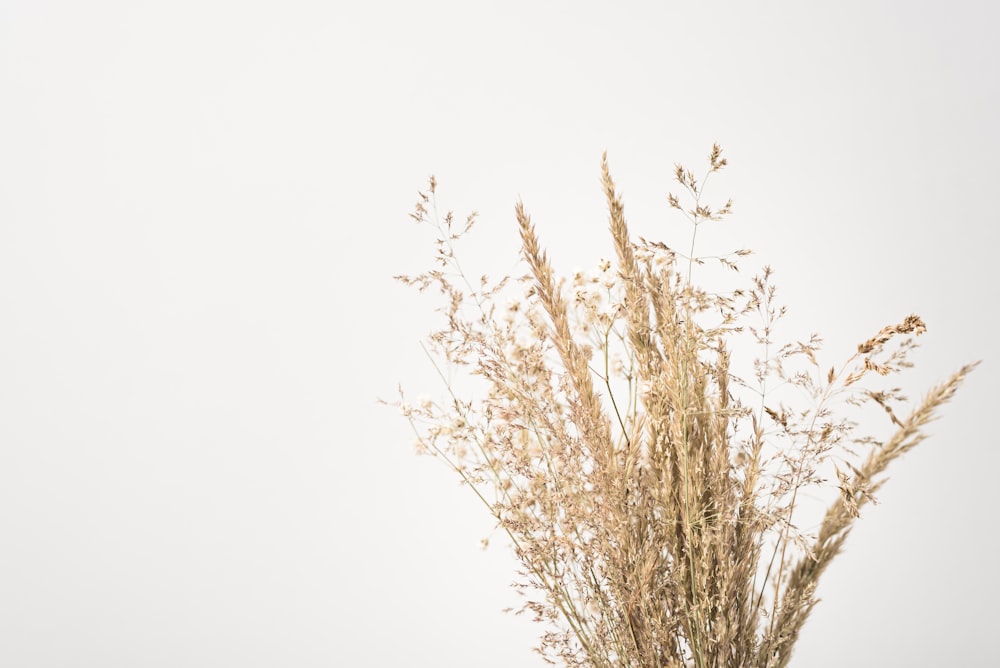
(649, 492)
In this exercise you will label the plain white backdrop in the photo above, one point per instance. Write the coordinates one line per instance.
(201, 208)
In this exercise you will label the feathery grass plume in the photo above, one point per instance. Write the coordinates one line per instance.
(648, 490)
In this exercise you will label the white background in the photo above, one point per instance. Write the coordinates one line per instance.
(201, 208)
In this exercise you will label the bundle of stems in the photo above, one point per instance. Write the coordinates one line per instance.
(648, 490)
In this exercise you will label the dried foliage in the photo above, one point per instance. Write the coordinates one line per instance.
(647, 490)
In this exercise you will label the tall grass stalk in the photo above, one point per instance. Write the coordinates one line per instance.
(649, 491)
